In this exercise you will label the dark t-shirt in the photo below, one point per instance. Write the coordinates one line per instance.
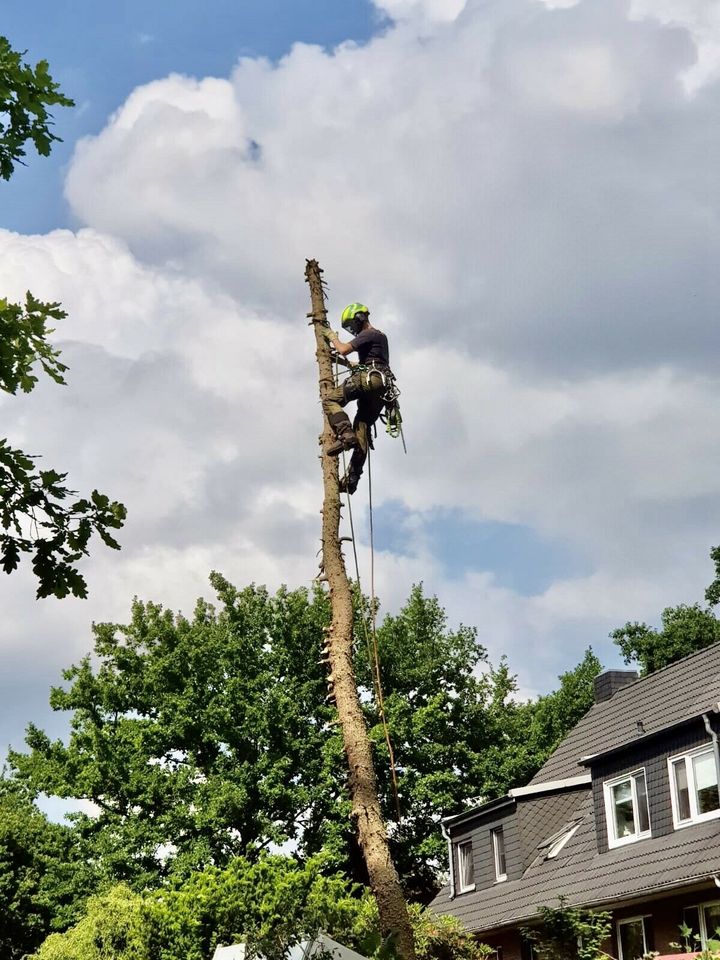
(372, 345)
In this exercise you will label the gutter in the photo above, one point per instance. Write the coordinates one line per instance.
(716, 747)
(446, 835)
(482, 808)
(583, 780)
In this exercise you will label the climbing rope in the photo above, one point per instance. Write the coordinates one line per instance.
(371, 634)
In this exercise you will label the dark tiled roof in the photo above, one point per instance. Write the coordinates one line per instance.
(541, 817)
(683, 690)
(588, 878)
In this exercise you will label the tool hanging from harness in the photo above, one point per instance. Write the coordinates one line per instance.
(376, 376)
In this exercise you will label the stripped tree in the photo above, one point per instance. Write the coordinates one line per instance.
(366, 815)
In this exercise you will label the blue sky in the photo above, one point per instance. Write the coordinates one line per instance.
(518, 188)
(99, 52)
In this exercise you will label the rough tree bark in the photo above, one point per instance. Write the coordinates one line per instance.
(371, 832)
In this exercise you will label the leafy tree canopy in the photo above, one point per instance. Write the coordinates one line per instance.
(26, 92)
(43, 879)
(684, 629)
(269, 904)
(35, 516)
(209, 738)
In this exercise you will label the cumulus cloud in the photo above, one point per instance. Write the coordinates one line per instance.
(524, 192)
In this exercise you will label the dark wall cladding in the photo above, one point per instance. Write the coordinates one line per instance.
(652, 755)
(541, 816)
(533, 820)
(483, 851)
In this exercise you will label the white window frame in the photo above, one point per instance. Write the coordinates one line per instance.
(499, 877)
(464, 845)
(624, 921)
(557, 846)
(613, 840)
(700, 907)
(695, 817)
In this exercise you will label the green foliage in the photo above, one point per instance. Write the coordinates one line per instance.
(23, 343)
(712, 594)
(43, 880)
(25, 94)
(685, 629)
(210, 737)
(208, 734)
(269, 903)
(442, 937)
(567, 933)
(533, 729)
(35, 518)
(118, 925)
(692, 943)
(445, 713)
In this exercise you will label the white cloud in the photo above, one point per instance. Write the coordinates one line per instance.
(524, 195)
(702, 19)
(436, 11)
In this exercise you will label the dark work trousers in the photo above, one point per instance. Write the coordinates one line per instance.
(367, 387)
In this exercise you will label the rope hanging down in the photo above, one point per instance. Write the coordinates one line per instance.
(371, 634)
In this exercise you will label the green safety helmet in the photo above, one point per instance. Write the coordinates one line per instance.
(353, 317)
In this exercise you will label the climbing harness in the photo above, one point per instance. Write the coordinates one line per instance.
(376, 376)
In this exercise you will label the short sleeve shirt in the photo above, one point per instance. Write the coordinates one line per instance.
(372, 345)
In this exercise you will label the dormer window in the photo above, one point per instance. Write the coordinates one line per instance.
(626, 809)
(466, 868)
(498, 841)
(694, 787)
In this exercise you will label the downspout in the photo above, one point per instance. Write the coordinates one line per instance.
(716, 747)
(446, 834)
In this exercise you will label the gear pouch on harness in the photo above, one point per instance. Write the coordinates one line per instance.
(392, 418)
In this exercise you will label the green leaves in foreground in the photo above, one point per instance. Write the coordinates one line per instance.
(26, 92)
(35, 519)
(38, 513)
(23, 343)
(269, 904)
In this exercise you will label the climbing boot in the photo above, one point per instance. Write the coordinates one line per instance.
(346, 441)
(349, 482)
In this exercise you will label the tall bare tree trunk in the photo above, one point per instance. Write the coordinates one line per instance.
(371, 832)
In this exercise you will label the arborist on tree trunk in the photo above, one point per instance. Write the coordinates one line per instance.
(368, 384)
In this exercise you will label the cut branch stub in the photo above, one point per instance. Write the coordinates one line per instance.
(366, 814)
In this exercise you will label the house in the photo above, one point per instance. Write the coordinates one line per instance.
(624, 816)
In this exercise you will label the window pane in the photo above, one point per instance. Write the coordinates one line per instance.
(712, 921)
(691, 919)
(682, 793)
(642, 812)
(623, 807)
(706, 782)
(467, 871)
(632, 940)
(499, 846)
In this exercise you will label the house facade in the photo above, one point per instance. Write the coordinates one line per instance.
(624, 817)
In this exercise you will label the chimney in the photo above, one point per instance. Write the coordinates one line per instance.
(607, 684)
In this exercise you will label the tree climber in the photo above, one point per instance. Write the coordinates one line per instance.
(367, 384)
